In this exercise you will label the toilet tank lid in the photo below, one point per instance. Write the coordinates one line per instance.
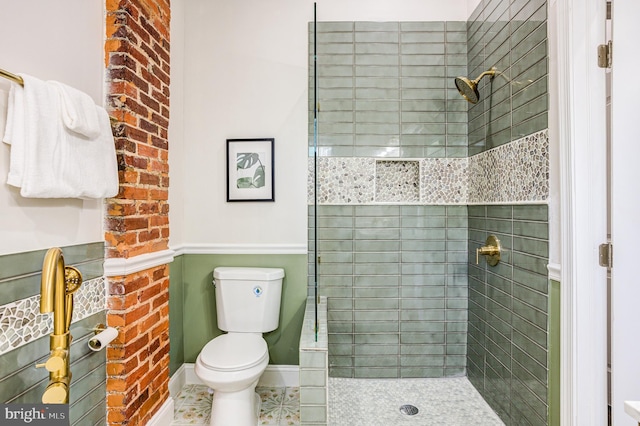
(253, 274)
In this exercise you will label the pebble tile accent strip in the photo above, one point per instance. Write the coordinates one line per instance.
(397, 181)
(444, 181)
(21, 321)
(511, 173)
(344, 180)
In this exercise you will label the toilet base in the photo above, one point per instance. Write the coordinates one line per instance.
(240, 408)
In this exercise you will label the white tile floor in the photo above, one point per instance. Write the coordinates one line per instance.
(446, 402)
(359, 402)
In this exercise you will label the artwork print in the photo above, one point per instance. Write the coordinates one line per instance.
(250, 172)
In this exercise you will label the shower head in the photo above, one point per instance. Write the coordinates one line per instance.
(469, 88)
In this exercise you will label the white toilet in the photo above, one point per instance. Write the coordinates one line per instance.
(247, 304)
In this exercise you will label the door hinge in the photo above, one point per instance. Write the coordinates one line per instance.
(605, 52)
(606, 255)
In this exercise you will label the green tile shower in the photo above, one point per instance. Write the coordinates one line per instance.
(405, 195)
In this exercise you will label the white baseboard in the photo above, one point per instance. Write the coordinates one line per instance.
(275, 376)
(164, 416)
(177, 381)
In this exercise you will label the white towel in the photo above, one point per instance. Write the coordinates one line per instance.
(49, 161)
(14, 131)
(78, 111)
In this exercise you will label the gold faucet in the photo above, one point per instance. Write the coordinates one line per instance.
(492, 251)
(56, 295)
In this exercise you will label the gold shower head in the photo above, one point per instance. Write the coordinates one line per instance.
(469, 88)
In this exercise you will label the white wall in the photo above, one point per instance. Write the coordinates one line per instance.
(51, 40)
(471, 6)
(176, 126)
(246, 77)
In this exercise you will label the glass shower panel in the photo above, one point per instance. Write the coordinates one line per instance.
(387, 131)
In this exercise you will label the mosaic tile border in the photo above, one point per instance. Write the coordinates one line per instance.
(511, 173)
(444, 180)
(344, 180)
(21, 321)
(516, 172)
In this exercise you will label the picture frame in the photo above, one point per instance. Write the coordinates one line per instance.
(250, 169)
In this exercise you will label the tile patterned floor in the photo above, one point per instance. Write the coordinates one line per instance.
(280, 406)
(359, 402)
(446, 402)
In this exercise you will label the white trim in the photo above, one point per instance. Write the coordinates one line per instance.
(274, 376)
(177, 381)
(555, 271)
(204, 248)
(190, 377)
(116, 267)
(632, 408)
(178, 250)
(581, 110)
(164, 416)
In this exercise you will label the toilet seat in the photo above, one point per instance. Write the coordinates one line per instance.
(234, 352)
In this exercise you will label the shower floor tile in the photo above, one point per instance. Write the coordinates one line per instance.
(279, 407)
(446, 402)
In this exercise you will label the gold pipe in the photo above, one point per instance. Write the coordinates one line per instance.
(53, 289)
(12, 77)
(56, 295)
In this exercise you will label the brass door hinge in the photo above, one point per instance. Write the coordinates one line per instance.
(605, 55)
(606, 255)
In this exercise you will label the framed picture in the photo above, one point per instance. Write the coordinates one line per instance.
(250, 173)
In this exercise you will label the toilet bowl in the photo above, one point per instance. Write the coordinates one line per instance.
(247, 305)
(231, 365)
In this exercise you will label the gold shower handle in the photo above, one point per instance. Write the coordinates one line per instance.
(56, 393)
(491, 251)
(55, 362)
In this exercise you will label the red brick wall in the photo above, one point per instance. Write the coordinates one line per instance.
(137, 220)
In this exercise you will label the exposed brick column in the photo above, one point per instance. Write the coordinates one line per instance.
(137, 220)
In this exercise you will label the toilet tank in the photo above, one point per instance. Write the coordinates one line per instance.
(248, 299)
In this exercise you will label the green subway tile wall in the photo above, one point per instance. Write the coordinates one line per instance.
(20, 382)
(512, 37)
(385, 89)
(508, 353)
(405, 298)
(395, 278)
(509, 358)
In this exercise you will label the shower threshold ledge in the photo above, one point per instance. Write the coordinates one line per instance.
(314, 365)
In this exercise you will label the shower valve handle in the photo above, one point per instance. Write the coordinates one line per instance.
(54, 363)
(492, 251)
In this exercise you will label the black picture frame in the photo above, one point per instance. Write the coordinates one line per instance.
(250, 170)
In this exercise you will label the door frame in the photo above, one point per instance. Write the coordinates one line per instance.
(581, 111)
(625, 205)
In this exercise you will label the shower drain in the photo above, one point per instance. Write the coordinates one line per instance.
(409, 410)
